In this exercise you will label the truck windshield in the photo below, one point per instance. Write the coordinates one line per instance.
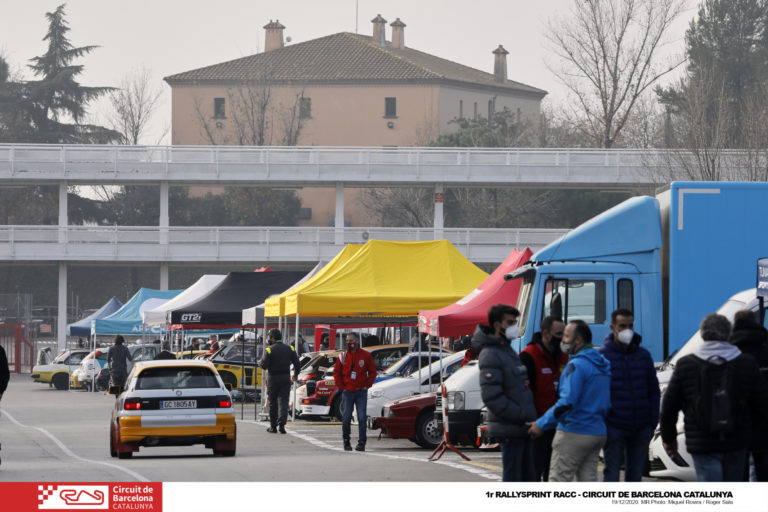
(524, 300)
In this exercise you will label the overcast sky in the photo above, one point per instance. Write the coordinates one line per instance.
(170, 36)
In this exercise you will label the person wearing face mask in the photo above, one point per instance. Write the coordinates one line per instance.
(354, 372)
(635, 399)
(580, 410)
(544, 362)
(504, 390)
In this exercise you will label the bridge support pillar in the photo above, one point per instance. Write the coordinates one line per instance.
(439, 201)
(339, 219)
(61, 324)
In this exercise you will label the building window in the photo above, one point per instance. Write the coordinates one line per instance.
(475, 115)
(218, 108)
(390, 107)
(305, 108)
(461, 109)
(305, 213)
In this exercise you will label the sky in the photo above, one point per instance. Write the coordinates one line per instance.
(171, 36)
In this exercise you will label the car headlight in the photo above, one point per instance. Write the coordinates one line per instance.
(375, 393)
(456, 400)
(387, 412)
(302, 390)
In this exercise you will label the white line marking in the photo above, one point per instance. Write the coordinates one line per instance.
(69, 452)
(456, 465)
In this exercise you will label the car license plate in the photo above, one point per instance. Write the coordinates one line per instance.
(178, 404)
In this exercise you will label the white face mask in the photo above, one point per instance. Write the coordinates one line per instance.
(567, 348)
(512, 332)
(625, 336)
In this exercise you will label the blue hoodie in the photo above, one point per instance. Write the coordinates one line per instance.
(585, 395)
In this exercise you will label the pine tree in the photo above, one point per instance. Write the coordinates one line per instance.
(57, 97)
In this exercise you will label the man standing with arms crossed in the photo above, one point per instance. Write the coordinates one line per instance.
(354, 373)
(277, 360)
(635, 398)
(545, 362)
(580, 411)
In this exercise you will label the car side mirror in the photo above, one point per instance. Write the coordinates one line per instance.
(228, 386)
(115, 390)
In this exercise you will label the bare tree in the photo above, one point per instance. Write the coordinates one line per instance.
(134, 104)
(608, 50)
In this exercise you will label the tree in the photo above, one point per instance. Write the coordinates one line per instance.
(608, 51)
(720, 105)
(134, 104)
(57, 96)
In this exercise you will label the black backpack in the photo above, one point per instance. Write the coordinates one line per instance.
(715, 407)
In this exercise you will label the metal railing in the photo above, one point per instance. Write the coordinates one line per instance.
(142, 243)
(327, 165)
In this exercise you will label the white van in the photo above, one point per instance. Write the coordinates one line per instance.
(464, 404)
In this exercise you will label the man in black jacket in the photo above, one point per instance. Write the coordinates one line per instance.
(751, 338)
(277, 360)
(717, 455)
(505, 392)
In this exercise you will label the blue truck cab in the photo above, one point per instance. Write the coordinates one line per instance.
(671, 259)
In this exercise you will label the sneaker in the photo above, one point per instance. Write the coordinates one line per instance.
(347, 446)
(272, 430)
(360, 447)
(281, 429)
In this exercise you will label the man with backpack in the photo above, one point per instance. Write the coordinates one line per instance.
(720, 391)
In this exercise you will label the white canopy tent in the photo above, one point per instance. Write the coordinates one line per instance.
(195, 292)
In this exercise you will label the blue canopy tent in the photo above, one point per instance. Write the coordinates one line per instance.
(127, 320)
(83, 326)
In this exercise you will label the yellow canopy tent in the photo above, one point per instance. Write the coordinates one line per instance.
(275, 306)
(390, 279)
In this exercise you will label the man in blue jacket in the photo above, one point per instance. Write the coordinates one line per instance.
(635, 398)
(580, 411)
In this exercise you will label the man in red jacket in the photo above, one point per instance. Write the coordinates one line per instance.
(545, 362)
(354, 373)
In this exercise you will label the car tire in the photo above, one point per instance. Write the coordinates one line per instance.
(427, 434)
(60, 381)
(336, 410)
(112, 445)
(228, 378)
(124, 455)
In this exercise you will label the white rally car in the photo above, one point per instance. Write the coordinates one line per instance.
(172, 403)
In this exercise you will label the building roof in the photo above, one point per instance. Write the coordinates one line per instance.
(347, 58)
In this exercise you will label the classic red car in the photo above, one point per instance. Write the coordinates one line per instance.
(410, 418)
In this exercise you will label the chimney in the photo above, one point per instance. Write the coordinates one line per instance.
(274, 36)
(378, 30)
(500, 64)
(398, 34)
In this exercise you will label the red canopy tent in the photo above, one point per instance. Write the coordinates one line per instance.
(461, 317)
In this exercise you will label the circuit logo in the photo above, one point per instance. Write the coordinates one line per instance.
(62, 497)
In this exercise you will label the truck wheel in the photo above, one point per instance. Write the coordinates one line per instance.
(228, 378)
(336, 411)
(60, 381)
(427, 433)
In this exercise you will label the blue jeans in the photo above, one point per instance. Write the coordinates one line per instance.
(517, 460)
(358, 399)
(628, 446)
(720, 466)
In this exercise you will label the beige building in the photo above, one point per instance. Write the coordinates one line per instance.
(339, 90)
